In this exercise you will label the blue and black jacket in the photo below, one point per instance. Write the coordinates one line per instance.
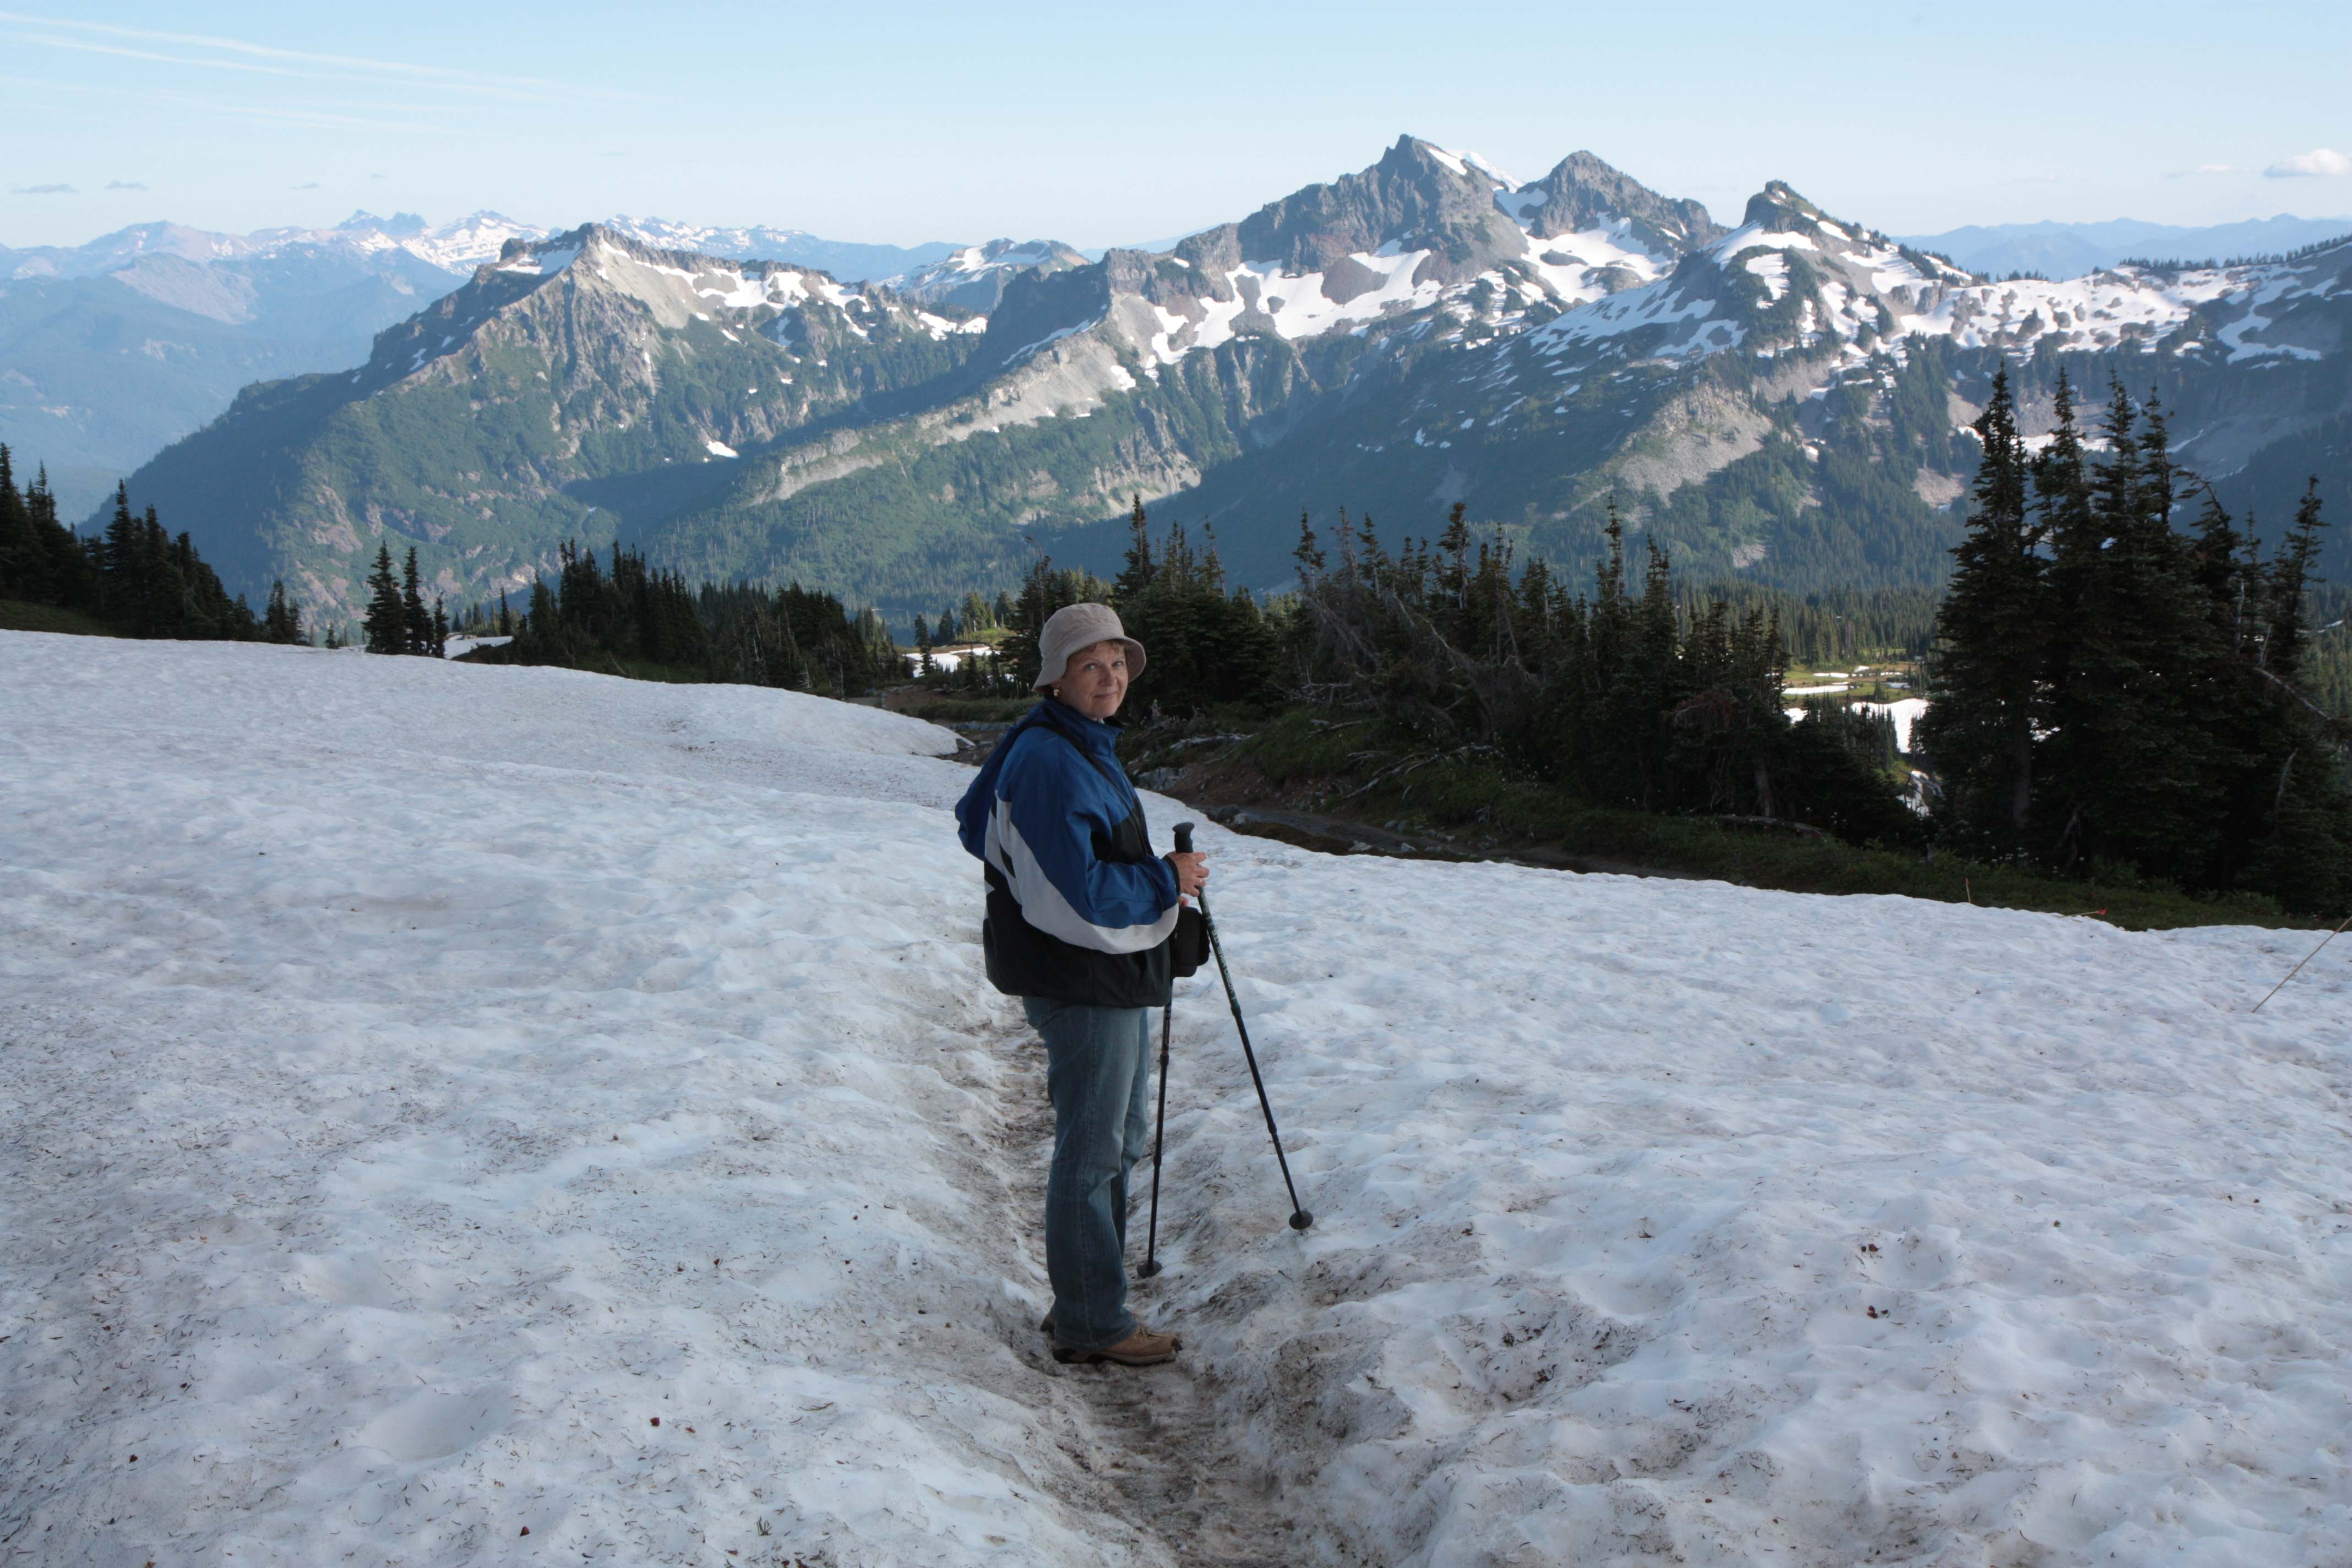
(1079, 909)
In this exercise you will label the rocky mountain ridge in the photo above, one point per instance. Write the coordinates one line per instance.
(1784, 399)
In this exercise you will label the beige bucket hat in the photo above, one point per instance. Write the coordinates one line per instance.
(1076, 627)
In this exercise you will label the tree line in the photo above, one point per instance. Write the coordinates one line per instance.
(1617, 692)
(2122, 678)
(1645, 694)
(628, 618)
(972, 615)
(1205, 640)
(133, 576)
(396, 620)
(2121, 683)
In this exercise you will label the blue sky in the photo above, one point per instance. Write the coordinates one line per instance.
(1101, 124)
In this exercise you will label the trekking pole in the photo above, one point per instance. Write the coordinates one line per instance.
(1300, 1218)
(1160, 1129)
(2291, 973)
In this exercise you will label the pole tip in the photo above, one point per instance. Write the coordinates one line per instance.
(1301, 1220)
(1146, 1269)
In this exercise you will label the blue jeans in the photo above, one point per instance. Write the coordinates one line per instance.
(1099, 1075)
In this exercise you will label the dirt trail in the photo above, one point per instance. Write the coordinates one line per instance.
(1160, 1460)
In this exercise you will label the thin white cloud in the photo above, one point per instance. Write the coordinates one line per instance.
(296, 62)
(432, 124)
(43, 191)
(126, 185)
(311, 186)
(2320, 162)
(84, 46)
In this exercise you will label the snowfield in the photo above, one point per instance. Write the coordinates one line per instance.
(420, 1079)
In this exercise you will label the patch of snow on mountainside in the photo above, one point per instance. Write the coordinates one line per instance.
(1296, 302)
(2099, 310)
(1578, 266)
(414, 1110)
(657, 281)
(543, 261)
(1740, 240)
(2281, 286)
(1859, 283)
(1658, 304)
(1855, 274)
(707, 238)
(974, 259)
(1050, 339)
(941, 327)
(974, 277)
(466, 244)
(1450, 159)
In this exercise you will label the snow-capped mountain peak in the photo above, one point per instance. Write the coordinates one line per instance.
(974, 277)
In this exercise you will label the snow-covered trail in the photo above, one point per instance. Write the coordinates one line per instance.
(1661, 1221)
(442, 1073)
(399, 1137)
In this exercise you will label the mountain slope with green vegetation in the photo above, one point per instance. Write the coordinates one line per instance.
(543, 402)
(1783, 403)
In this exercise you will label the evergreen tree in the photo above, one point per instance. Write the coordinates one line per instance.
(2133, 760)
(1622, 695)
(1308, 552)
(2220, 575)
(121, 557)
(1043, 590)
(1986, 695)
(386, 622)
(282, 621)
(2288, 583)
(2142, 696)
(1134, 572)
(23, 561)
(440, 648)
(1206, 645)
(158, 588)
(41, 559)
(415, 620)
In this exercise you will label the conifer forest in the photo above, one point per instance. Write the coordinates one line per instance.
(2120, 682)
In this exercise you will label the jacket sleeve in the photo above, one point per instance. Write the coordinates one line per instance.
(1040, 836)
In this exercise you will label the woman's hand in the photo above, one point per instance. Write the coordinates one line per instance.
(1191, 871)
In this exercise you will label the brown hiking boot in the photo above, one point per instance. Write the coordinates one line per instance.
(1141, 1348)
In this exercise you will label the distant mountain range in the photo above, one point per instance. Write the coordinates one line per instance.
(113, 350)
(1785, 400)
(2071, 249)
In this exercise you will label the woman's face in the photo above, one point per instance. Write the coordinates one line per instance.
(1095, 680)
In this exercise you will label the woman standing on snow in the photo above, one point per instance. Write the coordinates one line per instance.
(1079, 914)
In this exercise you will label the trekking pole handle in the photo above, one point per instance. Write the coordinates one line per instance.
(1183, 838)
